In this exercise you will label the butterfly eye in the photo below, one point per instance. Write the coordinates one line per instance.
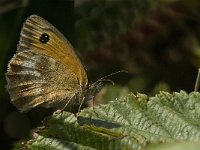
(44, 38)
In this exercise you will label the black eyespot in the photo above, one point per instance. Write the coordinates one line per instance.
(44, 38)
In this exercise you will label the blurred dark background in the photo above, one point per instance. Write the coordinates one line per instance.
(157, 42)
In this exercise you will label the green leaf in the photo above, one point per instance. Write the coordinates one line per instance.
(53, 144)
(127, 123)
(174, 146)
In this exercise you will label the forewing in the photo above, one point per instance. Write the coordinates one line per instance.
(57, 47)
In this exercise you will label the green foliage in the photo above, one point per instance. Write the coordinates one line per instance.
(101, 21)
(131, 122)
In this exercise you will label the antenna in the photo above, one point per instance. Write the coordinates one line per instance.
(104, 78)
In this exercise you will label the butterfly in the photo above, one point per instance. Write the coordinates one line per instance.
(45, 71)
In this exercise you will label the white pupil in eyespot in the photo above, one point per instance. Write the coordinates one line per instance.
(44, 38)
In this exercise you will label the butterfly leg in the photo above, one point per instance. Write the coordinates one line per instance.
(79, 108)
(61, 110)
(196, 88)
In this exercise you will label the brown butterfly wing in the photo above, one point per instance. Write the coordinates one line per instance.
(43, 73)
(36, 79)
(57, 47)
